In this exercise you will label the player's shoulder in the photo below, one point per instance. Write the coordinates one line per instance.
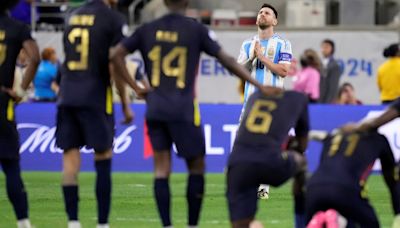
(249, 40)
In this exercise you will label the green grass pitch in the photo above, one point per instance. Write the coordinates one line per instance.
(133, 204)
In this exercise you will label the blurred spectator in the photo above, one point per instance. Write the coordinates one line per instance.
(389, 74)
(330, 73)
(22, 11)
(346, 95)
(307, 80)
(44, 82)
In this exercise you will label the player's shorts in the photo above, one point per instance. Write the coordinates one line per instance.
(346, 201)
(77, 127)
(244, 178)
(9, 140)
(188, 138)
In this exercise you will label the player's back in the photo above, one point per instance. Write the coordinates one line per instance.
(347, 159)
(171, 48)
(266, 123)
(90, 32)
(12, 35)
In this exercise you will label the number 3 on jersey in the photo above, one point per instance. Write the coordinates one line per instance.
(164, 65)
(259, 119)
(82, 48)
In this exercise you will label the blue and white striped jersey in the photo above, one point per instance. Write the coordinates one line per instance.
(276, 49)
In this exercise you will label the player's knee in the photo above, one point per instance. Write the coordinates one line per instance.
(196, 165)
(103, 155)
(70, 177)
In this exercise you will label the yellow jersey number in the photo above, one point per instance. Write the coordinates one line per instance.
(3, 51)
(259, 120)
(82, 48)
(165, 65)
(352, 140)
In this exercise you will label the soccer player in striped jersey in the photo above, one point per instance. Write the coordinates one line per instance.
(267, 56)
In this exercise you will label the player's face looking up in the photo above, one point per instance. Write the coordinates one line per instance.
(266, 18)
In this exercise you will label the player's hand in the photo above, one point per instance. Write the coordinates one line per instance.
(349, 127)
(141, 93)
(396, 222)
(128, 114)
(270, 91)
(258, 50)
(13, 94)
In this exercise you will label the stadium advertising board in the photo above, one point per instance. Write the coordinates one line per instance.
(132, 149)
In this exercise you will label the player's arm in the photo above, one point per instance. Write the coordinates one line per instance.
(246, 59)
(33, 58)
(280, 69)
(125, 102)
(238, 70)
(117, 57)
(390, 171)
(303, 127)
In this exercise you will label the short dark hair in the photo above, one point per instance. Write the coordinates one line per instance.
(330, 42)
(266, 5)
(392, 50)
(7, 4)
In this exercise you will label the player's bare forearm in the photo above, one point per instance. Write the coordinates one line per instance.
(32, 51)
(277, 68)
(117, 57)
(237, 69)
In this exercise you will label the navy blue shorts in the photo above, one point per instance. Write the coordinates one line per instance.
(188, 138)
(244, 178)
(77, 127)
(346, 201)
(9, 140)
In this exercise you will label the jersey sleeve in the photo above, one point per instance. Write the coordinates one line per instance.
(133, 42)
(285, 54)
(208, 41)
(25, 33)
(303, 123)
(390, 171)
(243, 55)
(119, 29)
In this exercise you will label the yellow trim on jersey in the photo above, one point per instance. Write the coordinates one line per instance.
(10, 110)
(197, 117)
(109, 101)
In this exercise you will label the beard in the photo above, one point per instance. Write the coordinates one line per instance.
(263, 26)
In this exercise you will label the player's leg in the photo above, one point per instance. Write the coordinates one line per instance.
(161, 143)
(242, 182)
(190, 143)
(103, 186)
(195, 189)
(16, 191)
(98, 130)
(298, 189)
(71, 166)
(69, 138)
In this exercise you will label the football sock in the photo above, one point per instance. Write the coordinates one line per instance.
(15, 188)
(299, 210)
(163, 195)
(103, 190)
(71, 199)
(194, 197)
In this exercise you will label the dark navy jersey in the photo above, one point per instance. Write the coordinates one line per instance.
(396, 105)
(266, 123)
(347, 159)
(91, 30)
(171, 47)
(12, 35)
